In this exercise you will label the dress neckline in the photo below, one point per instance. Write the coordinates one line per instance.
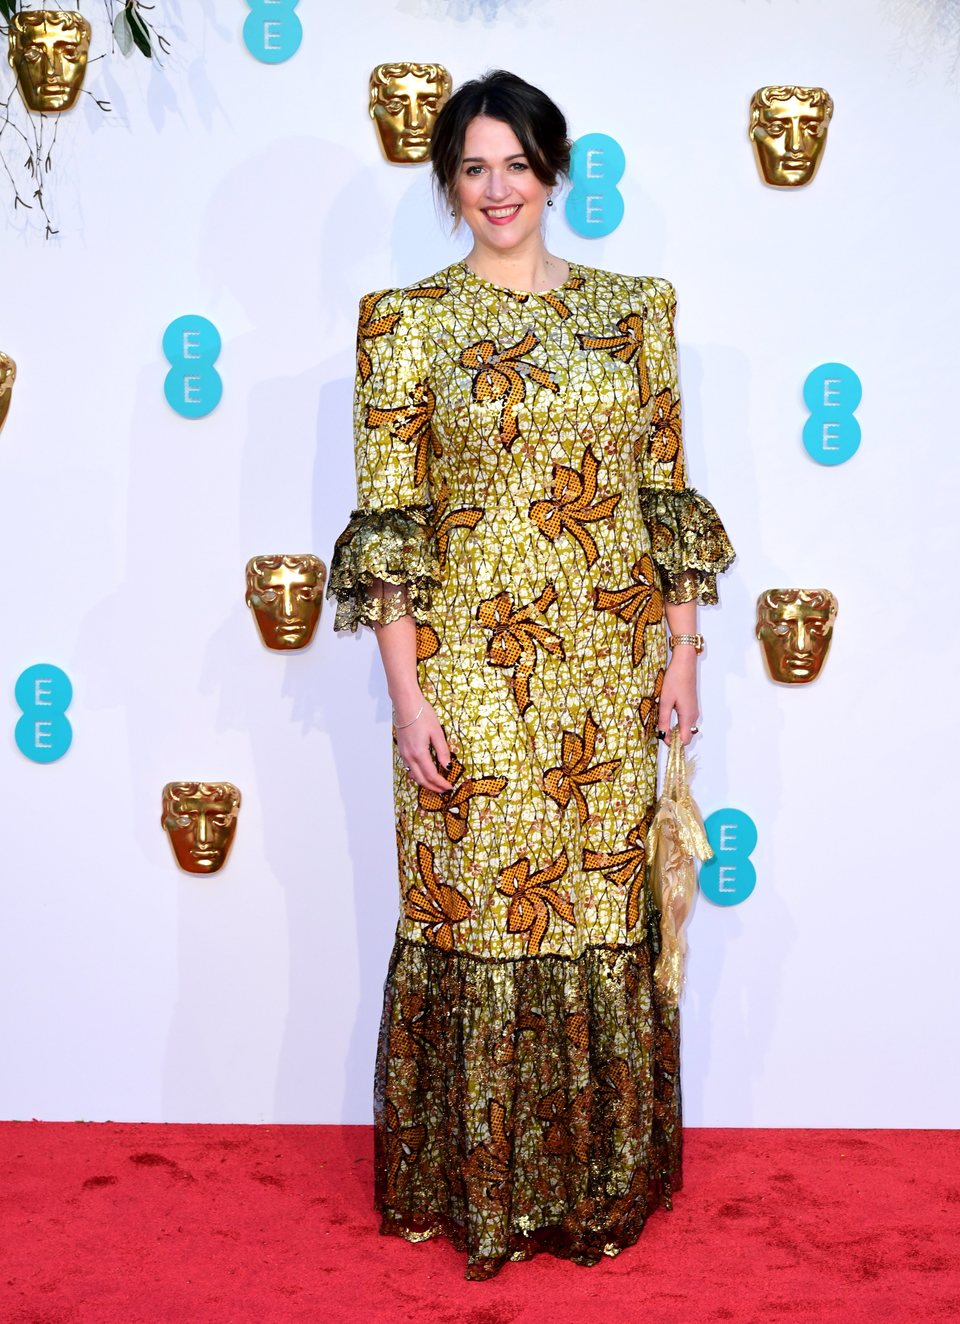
(574, 272)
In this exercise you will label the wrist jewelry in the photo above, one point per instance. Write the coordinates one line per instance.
(696, 640)
(396, 727)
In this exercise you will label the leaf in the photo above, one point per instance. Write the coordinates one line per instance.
(6, 9)
(121, 32)
(140, 32)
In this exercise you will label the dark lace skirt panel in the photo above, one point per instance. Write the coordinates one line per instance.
(526, 1105)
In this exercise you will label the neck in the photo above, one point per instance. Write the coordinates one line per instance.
(530, 268)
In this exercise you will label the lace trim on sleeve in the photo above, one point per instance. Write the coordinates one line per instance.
(688, 543)
(384, 566)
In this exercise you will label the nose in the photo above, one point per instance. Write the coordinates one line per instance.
(498, 186)
(414, 116)
(287, 602)
(803, 637)
(51, 63)
(203, 832)
(794, 138)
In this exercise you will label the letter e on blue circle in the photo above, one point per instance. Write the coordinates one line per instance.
(192, 387)
(595, 204)
(272, 32)
(831, 435)
(43, 694)
(729, 877)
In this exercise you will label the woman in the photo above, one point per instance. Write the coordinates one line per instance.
(523, 526)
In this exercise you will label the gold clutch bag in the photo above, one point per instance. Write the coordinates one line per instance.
(676, 837)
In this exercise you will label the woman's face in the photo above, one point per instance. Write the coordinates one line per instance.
(500, 197)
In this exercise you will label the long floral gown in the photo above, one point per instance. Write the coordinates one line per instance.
(520, 474)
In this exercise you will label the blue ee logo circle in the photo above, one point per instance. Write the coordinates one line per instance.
(272, 32)
(192, 386)
(43, 695)
(831, 434)
(729, 877)
(595, 204)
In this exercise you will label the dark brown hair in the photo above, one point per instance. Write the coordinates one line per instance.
(536, 120)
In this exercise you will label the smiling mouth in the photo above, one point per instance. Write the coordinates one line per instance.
(501, 215)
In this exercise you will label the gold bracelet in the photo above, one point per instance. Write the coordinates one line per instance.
(696, 640)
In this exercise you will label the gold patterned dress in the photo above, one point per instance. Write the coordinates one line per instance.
(520, 474)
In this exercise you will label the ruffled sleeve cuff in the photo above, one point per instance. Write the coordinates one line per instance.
(688, 543)
(384, 566)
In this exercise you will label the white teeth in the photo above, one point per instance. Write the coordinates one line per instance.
(499, 212)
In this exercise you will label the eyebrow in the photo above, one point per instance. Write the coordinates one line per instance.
(514, 157)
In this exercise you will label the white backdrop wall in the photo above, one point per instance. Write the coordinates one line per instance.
(257, 196)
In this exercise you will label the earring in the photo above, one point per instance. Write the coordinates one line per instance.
(549, 202)
(453, 213)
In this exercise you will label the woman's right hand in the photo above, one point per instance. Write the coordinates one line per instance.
(419, 742)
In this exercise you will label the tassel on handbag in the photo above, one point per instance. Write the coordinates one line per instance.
(675, 838)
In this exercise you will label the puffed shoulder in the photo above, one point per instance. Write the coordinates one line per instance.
(660, 295)
(654, 292)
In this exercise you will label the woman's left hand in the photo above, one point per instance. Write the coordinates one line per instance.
(679, 694)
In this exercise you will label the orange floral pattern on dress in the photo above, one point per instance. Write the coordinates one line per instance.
(574, 773)
(650, 707)
(642, 604)
(532, 897)
(403, 1143)
(428, 643)
(465, 517)
(552, 297)
(574, 505)
(454, 804)
(435, 905)
(516, 638)
(427, 292)
(369, 327)
(567, 1124)
(627, 868)
(501, 374)
(411, 423)
(666, 438)
(488, 1164)
(627, 347)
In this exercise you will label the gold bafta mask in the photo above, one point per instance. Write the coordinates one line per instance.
(201, 818)
(788, 128)
(8, 375)
(48, 53)
(795, 626)
(285, 593)
(404, 101)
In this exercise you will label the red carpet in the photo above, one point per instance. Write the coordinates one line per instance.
(123, 1224)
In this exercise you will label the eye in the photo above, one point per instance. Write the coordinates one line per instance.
(307, 594)
(184, 820)
(69, 52)
(394, 106)
(219, 820)
(781, 628)
(472, 169)
(269, 595)
(519, 165)
(775, 128)
(32, 54)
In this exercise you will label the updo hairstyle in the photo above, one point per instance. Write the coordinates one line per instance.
(537, 121)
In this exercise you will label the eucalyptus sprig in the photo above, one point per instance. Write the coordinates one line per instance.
(128, 21)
